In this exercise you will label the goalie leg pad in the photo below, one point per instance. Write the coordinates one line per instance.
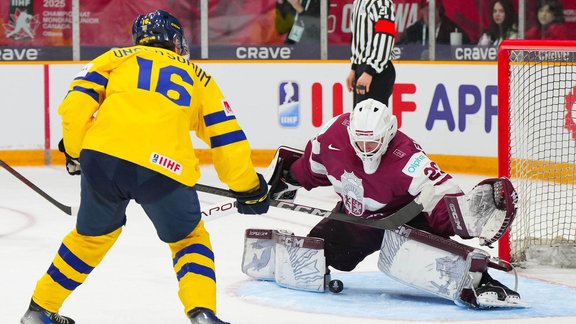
(258, 257)
(300, 262)
(292, 261)
(445, 268)
(431, 263)
(486, 212)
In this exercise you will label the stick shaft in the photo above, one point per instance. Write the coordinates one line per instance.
(61, 206)
(219, 210)
(401, 217)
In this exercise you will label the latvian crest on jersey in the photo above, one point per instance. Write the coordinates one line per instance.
(353, 193)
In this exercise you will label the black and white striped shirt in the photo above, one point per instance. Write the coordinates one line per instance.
(373, 33)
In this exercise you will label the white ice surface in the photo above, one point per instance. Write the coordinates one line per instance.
(135, 283)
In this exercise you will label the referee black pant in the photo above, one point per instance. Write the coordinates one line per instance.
(381, 86)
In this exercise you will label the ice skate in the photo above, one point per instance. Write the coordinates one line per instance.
(38, 315)
(492, 293)
(204, 316)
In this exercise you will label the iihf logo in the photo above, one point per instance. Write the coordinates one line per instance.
(22, 25)
(166, 163)
(289, 104)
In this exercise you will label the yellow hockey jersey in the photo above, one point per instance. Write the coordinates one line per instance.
(140, 103)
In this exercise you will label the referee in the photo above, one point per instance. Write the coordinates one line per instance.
(373, 31)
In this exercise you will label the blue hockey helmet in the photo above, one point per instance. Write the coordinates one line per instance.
(160, 29)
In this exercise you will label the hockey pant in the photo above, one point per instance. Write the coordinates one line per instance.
(346, 245)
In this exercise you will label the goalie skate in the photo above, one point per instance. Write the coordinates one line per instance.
(492, 293)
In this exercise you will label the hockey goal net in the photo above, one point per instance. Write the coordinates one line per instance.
(537, 149)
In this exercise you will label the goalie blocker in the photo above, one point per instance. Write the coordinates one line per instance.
(283, 186)
(291, 261)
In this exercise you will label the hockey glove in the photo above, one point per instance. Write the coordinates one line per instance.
(283, 184)
(255, 202)
(72, 164)
(493, 202)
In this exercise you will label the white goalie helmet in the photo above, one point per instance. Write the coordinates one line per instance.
(372, 127)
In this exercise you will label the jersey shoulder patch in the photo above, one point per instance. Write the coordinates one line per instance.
(416, 164)
(85, 69)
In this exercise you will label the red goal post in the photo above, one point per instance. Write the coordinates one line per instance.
(537, 149)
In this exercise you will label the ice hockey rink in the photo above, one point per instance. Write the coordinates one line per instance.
(135, 282)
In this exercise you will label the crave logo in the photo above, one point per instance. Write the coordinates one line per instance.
(22, 23)
(569, 122)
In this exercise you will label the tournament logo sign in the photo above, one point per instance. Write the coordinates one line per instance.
(289, 104)
(22, 23)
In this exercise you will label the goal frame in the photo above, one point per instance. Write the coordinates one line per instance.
(504, 248)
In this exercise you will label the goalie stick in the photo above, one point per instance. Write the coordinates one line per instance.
(401, 217)
(66, 209)
(393, 221)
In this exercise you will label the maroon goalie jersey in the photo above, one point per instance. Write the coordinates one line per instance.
(330, 160)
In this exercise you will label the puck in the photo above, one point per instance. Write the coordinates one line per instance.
(335, 286)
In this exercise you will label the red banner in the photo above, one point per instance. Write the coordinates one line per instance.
(102, 23)
(35, 23)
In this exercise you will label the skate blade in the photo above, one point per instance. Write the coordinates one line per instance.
(496, 303)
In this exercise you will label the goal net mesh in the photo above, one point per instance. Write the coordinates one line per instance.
(542, 155)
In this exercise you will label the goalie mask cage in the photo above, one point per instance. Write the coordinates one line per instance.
(537, 149)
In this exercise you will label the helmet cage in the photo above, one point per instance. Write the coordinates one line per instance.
(372, 127)
(365, 145)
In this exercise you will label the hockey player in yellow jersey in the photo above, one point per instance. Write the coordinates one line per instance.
(126, 121)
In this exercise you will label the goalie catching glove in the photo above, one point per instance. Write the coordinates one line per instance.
(486, 212)
(72, 164)
(253, 202)
(283, 185)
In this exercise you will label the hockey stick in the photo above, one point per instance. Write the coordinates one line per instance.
(66, 209)
(217, 211)
(391, 222)
(399, 218)
(211, 213)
